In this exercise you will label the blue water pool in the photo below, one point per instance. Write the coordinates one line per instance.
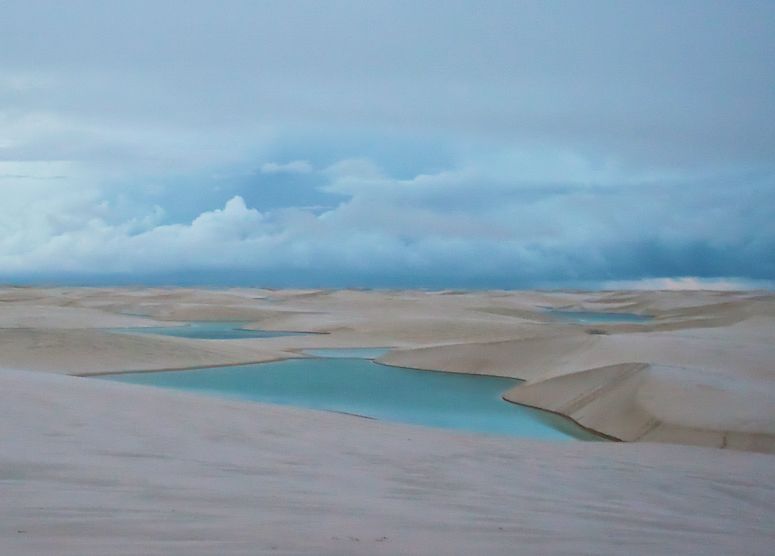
(599, 317)
(365, 388)
(208, 330)
(348, 353)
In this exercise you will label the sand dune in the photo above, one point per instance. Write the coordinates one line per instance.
(661, 404)
(698, 342)
(92, 467)
(83, 352)
(603, 383)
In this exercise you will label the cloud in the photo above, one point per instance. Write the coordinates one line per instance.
(294, 167)
(691, 283)
(462, 227)
(437, 144)
(680, 86)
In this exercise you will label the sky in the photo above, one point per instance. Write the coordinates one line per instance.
(441, 144)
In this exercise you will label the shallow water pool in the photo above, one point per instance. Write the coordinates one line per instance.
(599, 317)
(348, 353)
(365, 388)
(208, 330)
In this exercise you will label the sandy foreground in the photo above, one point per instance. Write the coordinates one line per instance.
(96, 467)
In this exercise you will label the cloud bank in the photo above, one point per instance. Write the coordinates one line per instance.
(465, 227)
(370, 144)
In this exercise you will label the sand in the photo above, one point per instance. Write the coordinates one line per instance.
(95, 467)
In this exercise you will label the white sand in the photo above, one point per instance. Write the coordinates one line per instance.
(95, 467)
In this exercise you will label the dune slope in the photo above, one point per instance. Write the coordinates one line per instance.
(93, 467)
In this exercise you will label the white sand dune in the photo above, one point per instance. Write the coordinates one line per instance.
(94, 467)
(83, 352)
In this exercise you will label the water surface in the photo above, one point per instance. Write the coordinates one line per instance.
(600, 317)
(362, 387)
(208, 330)
(348, 353)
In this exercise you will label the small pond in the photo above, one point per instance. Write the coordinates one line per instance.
(597, 317)
(358, 385)
(208, 330)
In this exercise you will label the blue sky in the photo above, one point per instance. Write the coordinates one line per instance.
(388, 144)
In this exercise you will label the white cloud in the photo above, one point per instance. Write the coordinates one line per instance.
(455, 226)
(294, 167)
(690, 283)
(353, 170)
(597, 156)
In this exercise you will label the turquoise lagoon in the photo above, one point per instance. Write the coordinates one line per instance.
(350, 382)
(208, 330)
(348, 353)
(597, 317)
